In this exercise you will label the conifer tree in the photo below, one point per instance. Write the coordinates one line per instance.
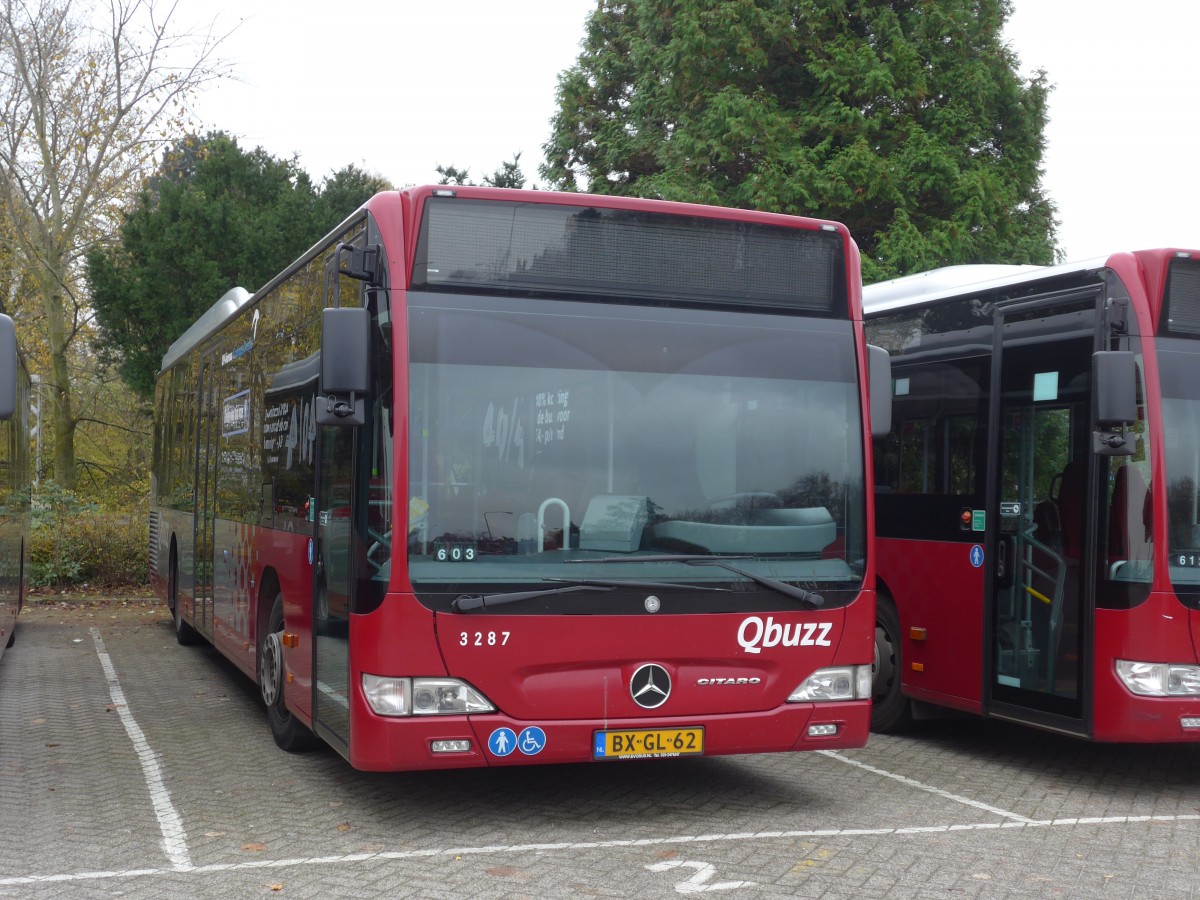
(907, 121)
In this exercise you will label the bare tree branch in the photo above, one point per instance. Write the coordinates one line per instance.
(86, 103)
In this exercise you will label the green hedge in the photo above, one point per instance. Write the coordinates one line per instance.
(74, 543)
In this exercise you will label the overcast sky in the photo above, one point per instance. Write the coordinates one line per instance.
(400, 87)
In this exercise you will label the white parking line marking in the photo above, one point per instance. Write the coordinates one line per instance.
(386, 855)
(994, 810)
(174, 839)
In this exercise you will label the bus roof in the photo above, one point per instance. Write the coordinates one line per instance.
(236, 298)
(951, 281)
(233, 300)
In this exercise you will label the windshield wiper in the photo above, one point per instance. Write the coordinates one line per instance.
(472, 602)
(816, 601)
(652, 585)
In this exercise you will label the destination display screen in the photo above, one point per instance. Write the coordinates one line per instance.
(553, 249)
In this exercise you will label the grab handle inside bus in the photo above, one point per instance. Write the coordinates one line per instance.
(8, 367)
(345, 361)
(1114, 392)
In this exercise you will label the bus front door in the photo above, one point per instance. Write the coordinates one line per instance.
(333, 580)
(1038, 539)
(207, 460)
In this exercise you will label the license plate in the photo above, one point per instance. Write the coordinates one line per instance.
(648, 743)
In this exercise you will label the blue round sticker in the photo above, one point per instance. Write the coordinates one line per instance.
(977, 556)
(503, 741)
(531, 740)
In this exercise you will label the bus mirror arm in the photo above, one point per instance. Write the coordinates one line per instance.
(338, 410)
(359, 263)
(1113, 443)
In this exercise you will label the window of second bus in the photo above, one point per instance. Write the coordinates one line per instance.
(929, 469)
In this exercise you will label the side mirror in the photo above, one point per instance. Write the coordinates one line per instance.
(1114, 401)
(8, 367)
(879, 389)
(345, 365)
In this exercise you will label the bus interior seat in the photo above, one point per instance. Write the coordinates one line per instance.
(1059, 517)
(1072, 496)
(1048, 521)
(1062, 516)
(1129, 532)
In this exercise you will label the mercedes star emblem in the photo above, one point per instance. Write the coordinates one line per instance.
(650, 686)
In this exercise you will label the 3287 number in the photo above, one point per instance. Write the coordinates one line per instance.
(483, 638)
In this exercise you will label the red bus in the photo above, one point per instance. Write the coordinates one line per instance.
(496, 477)
(14, 481)
(1036, 498)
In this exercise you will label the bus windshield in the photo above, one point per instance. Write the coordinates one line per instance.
(1178, 359)
(552, 440)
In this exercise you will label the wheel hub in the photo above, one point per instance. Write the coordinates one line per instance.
(883, 670)
(271, 672)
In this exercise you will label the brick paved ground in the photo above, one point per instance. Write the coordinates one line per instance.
(175, 789)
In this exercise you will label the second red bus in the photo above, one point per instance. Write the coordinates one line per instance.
(1038, 511)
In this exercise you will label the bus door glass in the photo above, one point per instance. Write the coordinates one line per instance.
(340, 505)
(206, 484)
(1039, 547)
(332, 578)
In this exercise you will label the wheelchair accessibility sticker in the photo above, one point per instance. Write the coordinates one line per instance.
(503, 741)
(977, 556)
(531, 741)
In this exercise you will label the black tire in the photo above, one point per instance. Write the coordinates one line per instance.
(321, 613)
(185, 634)
(290, 734)
(891, 711)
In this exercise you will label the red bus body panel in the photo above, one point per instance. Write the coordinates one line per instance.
(570, 677)
(1158, 630)
(944, 666)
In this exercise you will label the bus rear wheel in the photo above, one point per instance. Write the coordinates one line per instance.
(185, 634)
(891, 711)
(288, 731)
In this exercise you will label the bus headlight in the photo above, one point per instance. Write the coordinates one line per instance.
(422, 696)
(837, 683)
(1159, 679)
